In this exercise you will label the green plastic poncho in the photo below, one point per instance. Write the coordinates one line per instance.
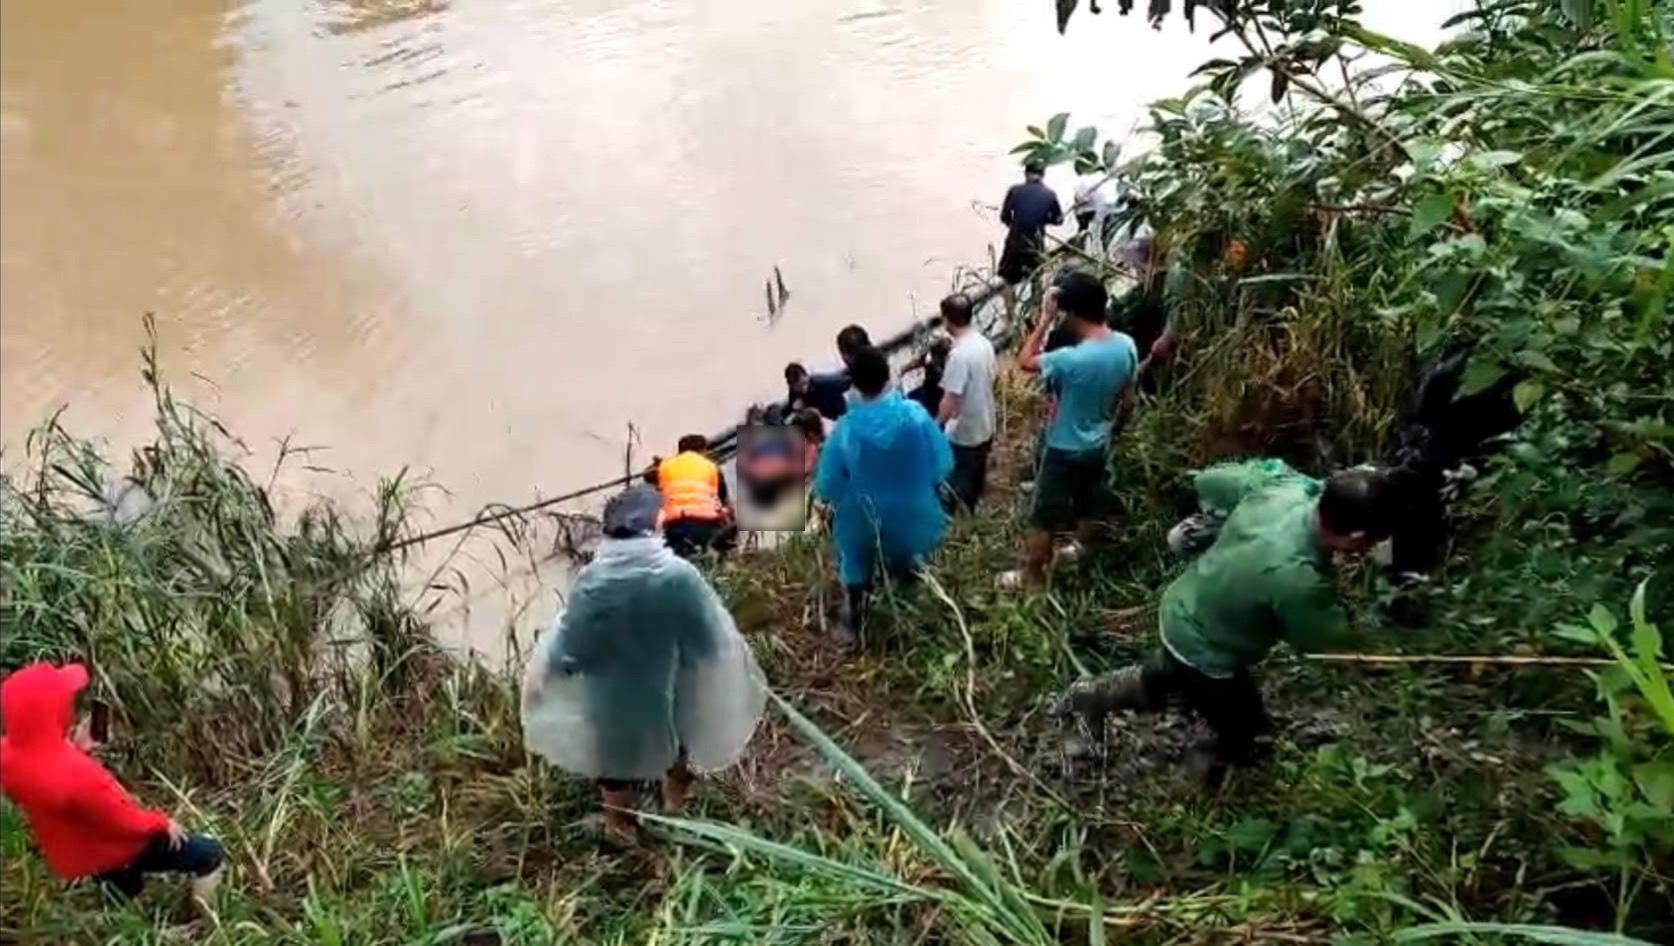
(1265, 579)
(642, 664)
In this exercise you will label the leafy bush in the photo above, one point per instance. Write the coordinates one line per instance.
(1625, 793)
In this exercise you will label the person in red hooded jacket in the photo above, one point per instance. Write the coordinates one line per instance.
(85, 823)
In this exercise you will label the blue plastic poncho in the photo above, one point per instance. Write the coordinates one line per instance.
(643, 663)
(879, 471)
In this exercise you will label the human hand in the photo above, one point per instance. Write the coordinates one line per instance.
(82, 736)
(177, 835)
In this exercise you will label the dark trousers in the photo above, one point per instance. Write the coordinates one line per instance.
(1231, 706)
(200, 855)
(688, 537)
(856, 598)
(970, 474)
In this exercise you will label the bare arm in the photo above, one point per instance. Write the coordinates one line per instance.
(1029, 358)
(948, 409)
(955, 378)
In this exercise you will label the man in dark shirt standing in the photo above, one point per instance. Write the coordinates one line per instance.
(1028, 209)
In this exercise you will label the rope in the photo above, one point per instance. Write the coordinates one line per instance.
(723, 444)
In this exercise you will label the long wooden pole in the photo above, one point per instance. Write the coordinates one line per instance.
(1503, 660)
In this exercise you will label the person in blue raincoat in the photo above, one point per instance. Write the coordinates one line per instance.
(879, 472)
(643, 676)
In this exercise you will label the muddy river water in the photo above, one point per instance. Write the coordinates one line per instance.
(481, 237)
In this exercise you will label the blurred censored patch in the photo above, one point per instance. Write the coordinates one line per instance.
(772, 468)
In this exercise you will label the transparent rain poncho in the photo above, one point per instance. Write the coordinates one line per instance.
(879, 471)
(642, 664)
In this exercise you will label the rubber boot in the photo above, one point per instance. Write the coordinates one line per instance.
(1087, 703)
(1206, 766)
(850, 616)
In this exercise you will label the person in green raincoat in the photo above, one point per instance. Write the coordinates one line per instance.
(643, 677)
(1266, 578)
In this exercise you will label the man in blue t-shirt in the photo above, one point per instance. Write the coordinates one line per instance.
(1089, 380)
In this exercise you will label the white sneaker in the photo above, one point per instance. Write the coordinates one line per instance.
(1010, 581)
(1069, 553)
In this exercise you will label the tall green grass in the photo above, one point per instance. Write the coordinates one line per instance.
(211, 618)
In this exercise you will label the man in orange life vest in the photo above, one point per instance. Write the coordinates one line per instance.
(697, 514)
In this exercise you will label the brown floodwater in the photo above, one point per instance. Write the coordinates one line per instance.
(482, 238)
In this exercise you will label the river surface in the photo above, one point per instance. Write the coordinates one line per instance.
(481, 238)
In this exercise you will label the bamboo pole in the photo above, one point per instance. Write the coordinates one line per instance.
(722, 445)
(1502, 660)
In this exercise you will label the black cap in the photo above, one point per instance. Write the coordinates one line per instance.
(632, 512)
(1034, 166)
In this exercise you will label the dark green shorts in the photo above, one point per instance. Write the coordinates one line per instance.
(1071, 487)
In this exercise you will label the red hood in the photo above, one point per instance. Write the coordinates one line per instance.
(82, 818)
(37, 703)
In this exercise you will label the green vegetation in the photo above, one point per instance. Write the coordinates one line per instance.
(274, 681)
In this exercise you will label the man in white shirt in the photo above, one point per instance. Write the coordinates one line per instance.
(1095, 201)
(967, 408)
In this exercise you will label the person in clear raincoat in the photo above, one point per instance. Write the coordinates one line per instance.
(644, 675)
(879, 472)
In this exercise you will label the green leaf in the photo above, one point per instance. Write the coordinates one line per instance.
(1554, 935)
(1112, 151)
(1623, 463)
(739, 839)
(1526, 394)
(1655, 305)
(1471, 245)
(1452, 287)
(1649, 676)
(1603, 621)
(1036, 131)
(1429, 213)
(1390, 46)
(1580, 800)
(1483, 372)
(1490, 160)
(1578, 12)
(1251, 834)
(1055, 127)
(1537, 360)
(1429, 336)
(1587, 858)
(1084, 138)
(1425, 151)
(1576, 632)
(1213, 65)
(1656, 782)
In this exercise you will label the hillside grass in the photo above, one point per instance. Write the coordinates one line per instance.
(388, 799)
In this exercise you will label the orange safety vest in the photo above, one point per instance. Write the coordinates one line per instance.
(691, 487)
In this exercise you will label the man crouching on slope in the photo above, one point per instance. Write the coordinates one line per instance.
(1266, 578)
(86, 824)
